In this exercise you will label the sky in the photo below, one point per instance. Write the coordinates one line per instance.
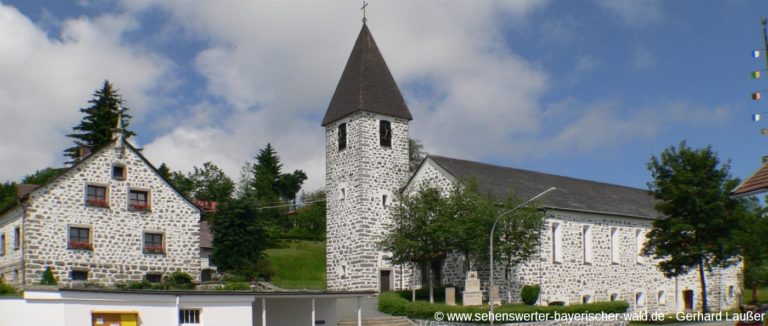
(588, 89)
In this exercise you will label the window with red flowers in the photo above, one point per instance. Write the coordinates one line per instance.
(153, 243)
(138, 200)
(96, 196)
(80, 238)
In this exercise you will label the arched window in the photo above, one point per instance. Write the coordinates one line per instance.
(342, 136)
(384, 201)
(639, 246)
(557, 243)
(614, 245)
(662, 297)
(385, 133)
(639, 299)
(587, 244)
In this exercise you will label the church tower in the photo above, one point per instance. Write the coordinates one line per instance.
(366, 162)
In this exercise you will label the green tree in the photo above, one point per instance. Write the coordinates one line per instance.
(42, 177)
(240, 237)
(270, 187)
(416, 154)
(308, 222)
(48, 278)
(211, 184)
(164, 171)
(419, 234)
(519, 236)
(7, 194)
(182, 183)
(700, 220)
(95, 129)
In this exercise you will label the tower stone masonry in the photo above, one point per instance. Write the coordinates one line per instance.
(366, 132)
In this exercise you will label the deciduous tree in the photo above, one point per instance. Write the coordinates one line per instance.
(699, 222)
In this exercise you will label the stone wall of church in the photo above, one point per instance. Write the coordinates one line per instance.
(116, 231)
(361, 183)
(10, 254)
(572, 280)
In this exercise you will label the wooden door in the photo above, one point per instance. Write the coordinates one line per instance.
(688, 299)
(384, 281)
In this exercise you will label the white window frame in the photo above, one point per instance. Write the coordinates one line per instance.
(557, 242)
(185, 321)
(615, 258)
(587, 243)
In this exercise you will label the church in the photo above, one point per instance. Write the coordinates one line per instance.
(590, 247)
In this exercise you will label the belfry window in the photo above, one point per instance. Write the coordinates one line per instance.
(342, 136)
(385, 133)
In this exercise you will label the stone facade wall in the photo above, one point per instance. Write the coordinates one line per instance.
(117, 232)
(571, 279)
(10, 259)
(357, 178)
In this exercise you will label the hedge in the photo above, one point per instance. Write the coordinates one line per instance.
(392, 303)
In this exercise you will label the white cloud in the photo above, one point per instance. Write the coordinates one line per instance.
(44, 80)
(634, 13)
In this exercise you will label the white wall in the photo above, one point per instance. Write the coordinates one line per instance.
(295, 311)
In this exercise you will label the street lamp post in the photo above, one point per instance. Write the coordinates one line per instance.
(493, 228)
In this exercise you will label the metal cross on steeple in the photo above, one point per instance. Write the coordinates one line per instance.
(365, 4)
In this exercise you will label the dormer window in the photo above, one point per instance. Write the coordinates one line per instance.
(385, 133)
(118, 172)
(342, 133)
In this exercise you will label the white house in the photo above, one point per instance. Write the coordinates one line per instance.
(109, 218)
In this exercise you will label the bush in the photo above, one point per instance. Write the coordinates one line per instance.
(48, 278)
(6, 289)
(179, 281)
(530, 294)
(394, 304)
(139, 285)
(423, 294)
(234, 286)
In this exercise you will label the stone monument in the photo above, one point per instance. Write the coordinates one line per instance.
(472, 294)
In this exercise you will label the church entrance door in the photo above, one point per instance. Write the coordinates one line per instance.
(688, 300)
(384, 281)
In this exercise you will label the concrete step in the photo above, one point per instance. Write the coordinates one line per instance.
(379, 321)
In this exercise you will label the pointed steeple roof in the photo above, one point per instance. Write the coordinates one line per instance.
(366, 84)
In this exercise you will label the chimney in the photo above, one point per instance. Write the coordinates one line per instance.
(83, 151)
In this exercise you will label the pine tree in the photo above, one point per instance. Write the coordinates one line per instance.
(95, 129)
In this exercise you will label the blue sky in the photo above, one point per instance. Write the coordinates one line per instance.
(588, 89)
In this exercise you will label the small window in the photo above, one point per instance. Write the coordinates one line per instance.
(189, 316)
(639, 246)
(154, 277)
(80, 238)
(731, 292)
(2, 244)
(384, 200)
(639, 299)
(153, 243)
(118, 172)
(385, 133)
(96, 196)
(614, 245)
(662, 297)
(587, 243)
(343, 193)
(557, 234)
(138, 200)
(614, 296)
(586, 298)
(16, 238)
(78, 275)
(342, 134)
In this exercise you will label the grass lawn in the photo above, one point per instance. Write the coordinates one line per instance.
(762, 295)
(298, 264)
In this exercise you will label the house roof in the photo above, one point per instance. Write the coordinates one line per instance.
(206, 236)
(571, 194)
(366, 84)
(756, 183)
